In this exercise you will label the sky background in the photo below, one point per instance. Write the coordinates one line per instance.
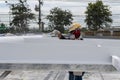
(77, 7)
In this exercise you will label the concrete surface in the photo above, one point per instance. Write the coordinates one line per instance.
(58, 75)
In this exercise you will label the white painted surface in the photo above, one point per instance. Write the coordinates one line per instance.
(46, 49)
(116, 62)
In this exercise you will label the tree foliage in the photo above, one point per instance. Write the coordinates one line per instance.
(98, 16)
(59, 18)
(21, 16)
(3, 28)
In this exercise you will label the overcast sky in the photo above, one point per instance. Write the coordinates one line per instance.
(77, 7)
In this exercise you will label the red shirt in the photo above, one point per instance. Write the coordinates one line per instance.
(77, 33)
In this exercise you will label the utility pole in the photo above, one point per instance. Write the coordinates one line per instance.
(40, 23)
(38, 9)
(39, 15)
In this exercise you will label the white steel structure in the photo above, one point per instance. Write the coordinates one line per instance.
(44, 49)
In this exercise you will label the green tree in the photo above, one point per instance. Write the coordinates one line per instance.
(21, 16)
(98, 16)
(59, 18)
(3, 28)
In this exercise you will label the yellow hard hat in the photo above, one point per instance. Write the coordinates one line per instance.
(74, 26)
